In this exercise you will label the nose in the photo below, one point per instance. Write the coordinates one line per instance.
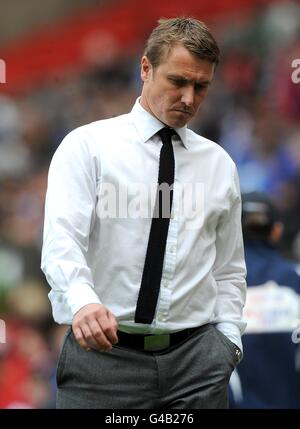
(188, 96)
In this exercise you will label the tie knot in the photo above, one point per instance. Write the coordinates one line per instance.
(166, 134)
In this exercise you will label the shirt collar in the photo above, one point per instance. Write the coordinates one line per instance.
(147, 125)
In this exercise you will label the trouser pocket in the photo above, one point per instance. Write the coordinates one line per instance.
(230, 347)
(62, 357)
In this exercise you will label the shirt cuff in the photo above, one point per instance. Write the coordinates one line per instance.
(79, 295)
(232, 332)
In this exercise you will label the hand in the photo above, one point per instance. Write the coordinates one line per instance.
(94, 326)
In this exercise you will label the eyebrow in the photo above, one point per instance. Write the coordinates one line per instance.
(184, 79)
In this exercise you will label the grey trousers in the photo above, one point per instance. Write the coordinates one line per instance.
(192, 375)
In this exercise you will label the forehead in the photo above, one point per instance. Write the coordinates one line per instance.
(180, 61)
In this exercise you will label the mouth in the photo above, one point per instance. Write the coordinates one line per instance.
(185, 112)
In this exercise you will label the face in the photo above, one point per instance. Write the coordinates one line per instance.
(176, 88)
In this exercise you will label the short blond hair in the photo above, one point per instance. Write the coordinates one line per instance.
(189, 32)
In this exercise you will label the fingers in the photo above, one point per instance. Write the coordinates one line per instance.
(104, 330)
(92, 340)
(110, 330)
(94, 326)
(80, 339)
(99, 337)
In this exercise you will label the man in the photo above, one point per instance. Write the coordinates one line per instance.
(155, 301)
(269, 375)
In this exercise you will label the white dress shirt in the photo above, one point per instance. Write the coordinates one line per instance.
(88, 257)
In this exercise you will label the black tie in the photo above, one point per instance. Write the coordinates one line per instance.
(149, 291)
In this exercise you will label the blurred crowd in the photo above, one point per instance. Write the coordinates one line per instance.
(253, 111)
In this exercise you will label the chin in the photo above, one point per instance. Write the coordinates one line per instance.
(174, 124)
(177, 121)
(177, 124)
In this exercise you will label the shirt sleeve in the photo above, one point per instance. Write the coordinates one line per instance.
(230, 269)
(69, 215)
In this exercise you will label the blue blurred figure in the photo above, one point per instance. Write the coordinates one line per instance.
(269, 375)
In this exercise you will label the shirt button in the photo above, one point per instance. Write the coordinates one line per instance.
(172, 249)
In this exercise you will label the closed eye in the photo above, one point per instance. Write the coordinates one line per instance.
(178, 82)
(200, 87)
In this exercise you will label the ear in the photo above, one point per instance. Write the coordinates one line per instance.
(146, 69)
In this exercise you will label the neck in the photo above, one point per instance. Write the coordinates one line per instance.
(144, 103)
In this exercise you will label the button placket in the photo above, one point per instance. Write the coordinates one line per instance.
(164, 302)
